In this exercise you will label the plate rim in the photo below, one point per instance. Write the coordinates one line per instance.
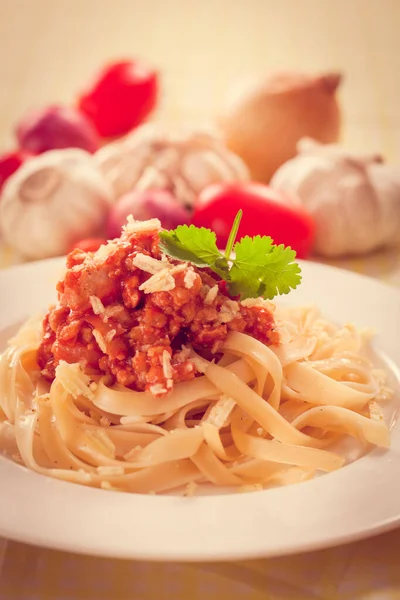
(179, 549)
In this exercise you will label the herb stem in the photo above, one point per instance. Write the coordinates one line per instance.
(233, 234)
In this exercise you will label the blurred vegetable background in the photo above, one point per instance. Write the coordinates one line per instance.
(265, 106)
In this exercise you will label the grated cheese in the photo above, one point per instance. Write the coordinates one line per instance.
(109, 335)
(162, 281)
(110, 470)
(178, 268)
(97, 305)
(73, 380)
(190, 489)
(132, 454)
(221, 411)
(112, 311)
(228, 312)
(190, 278)
(100, 340)
(183, 354)
(85, 476)
(106, 485)
(148, 263)
(132, 419)
(166, 364)
(250, 302)
(200, 363)
(375, 413)
(157, 389)
(104, 422)
(105, 251)
(134, 226)
(256, 487)
(211, 295)
(76, 268)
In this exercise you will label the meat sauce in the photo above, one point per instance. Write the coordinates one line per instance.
(113, 323)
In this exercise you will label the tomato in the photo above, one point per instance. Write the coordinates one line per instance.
(9, 163)
(121, 97)
(265, 212)
(89, 244)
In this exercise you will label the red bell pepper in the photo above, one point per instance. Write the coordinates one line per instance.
(122, 95)
(265, 212)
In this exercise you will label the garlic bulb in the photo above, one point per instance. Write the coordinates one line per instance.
(52, 201)
(354, 199)
(182, 162)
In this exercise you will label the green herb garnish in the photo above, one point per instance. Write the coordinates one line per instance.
(259, 268)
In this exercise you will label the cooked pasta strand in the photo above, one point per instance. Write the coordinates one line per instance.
(259, 417)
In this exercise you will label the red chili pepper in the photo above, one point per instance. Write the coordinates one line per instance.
(122, 95)
(265, 212)
(88, 244)
(9, 163)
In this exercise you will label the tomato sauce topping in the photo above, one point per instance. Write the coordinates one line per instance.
(129, 312)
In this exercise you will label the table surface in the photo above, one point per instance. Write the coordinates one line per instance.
(49, 49)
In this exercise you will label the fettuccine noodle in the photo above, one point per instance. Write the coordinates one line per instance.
(259, 416)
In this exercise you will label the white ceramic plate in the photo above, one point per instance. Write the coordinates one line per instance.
(361, 499)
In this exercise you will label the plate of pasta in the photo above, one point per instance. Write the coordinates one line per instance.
(162, 400)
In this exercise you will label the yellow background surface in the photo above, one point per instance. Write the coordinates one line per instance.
(49, 48)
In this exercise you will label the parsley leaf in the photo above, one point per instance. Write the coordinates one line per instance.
(259, 268)
(262, 269)
(195, 245)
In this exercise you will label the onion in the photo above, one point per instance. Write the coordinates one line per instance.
(143, 205)
(56, 127)
(263, 122)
